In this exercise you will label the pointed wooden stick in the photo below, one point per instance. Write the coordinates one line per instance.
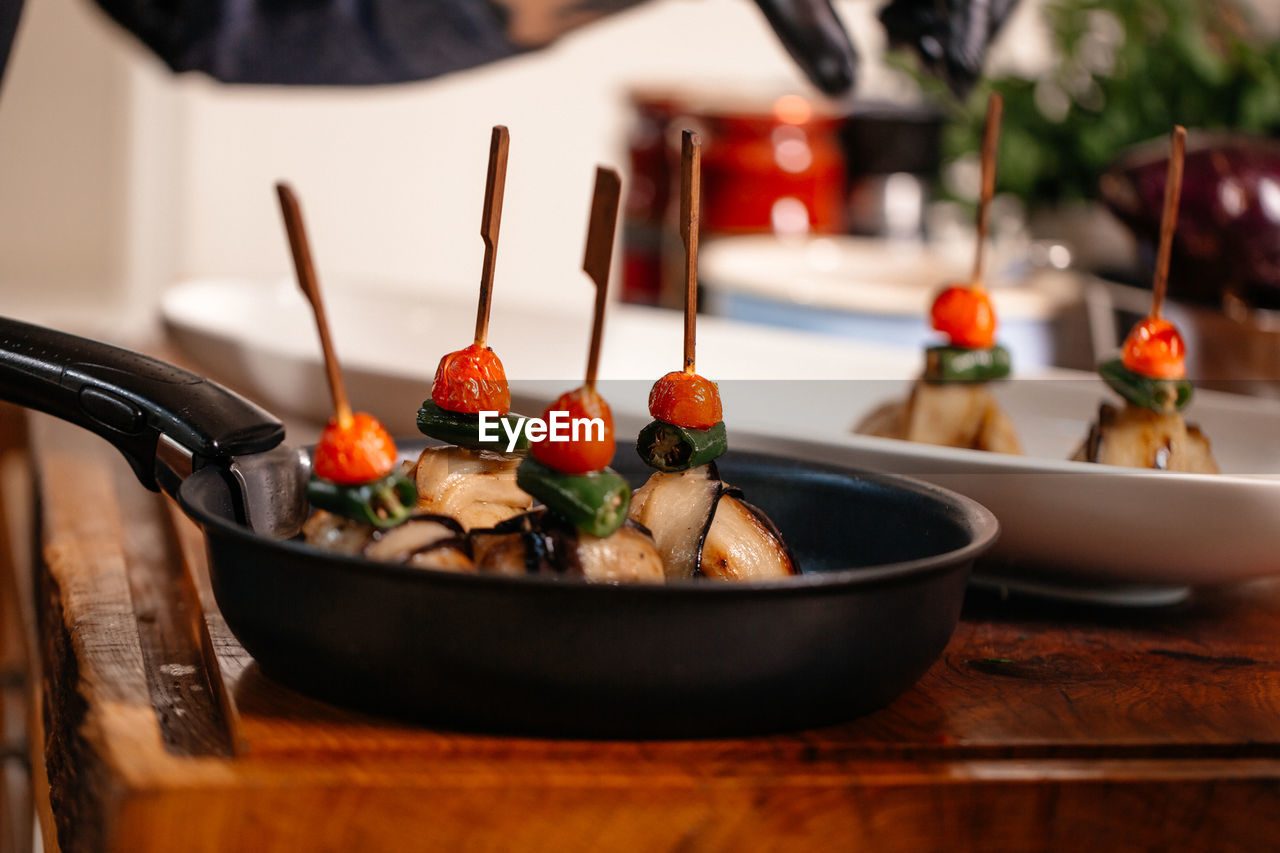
(306, 271)
(990, 145)
(599, 255)
(1169, 218)
(494, 187)
(690, 216)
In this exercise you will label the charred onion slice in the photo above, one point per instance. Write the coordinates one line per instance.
(540, 542)
(476, 488)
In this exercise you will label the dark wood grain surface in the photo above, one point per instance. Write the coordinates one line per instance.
(1041, 727)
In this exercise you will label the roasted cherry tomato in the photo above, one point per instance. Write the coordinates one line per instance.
(1155, 349)
(471, 381)
(686, 400)
(965, 315)
(356, 453)
(590, 452)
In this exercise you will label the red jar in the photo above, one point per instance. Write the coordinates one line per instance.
(768, 165)
(781, 171)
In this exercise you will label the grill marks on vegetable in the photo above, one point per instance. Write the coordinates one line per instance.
(425, 541)
(541, 542)
(703, 528)
(476, 488)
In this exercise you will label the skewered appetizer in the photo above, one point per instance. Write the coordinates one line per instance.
(951, 404)
(582, 527)
(701, 525)
(465, 480)
(471, 481)
(364, 503)
(1151, 376)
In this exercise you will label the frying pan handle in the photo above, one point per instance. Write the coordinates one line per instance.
(151, 411)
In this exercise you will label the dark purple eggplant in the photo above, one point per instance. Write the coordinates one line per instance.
(1228, 235)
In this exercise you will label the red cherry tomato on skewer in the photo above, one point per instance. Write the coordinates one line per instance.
(590, 452)
(1154, 348)
(357, 453)
(686, 400)
(472, 380)
(966, 316)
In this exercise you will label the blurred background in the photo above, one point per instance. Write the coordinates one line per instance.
(120, 179)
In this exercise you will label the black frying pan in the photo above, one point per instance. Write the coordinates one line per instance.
(886, 560)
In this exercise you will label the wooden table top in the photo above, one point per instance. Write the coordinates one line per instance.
(1041, 726)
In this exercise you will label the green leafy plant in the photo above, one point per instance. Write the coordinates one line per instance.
(1125, 71)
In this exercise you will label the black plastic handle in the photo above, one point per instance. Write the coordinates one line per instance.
(129, 399)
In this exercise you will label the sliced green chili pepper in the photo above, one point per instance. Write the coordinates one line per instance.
(464, 430)
(961, 364)
(668, 447)
(1165, 396)
(384, 502)
(595, 503)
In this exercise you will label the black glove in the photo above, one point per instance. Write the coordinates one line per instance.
(951, 36)
(816, 40)
(352, 42)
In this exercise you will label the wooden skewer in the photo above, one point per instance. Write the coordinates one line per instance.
(494, 187)
(990, 145)
(1169, 218)
(690, 216)
(599, 255)
(306, 272)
